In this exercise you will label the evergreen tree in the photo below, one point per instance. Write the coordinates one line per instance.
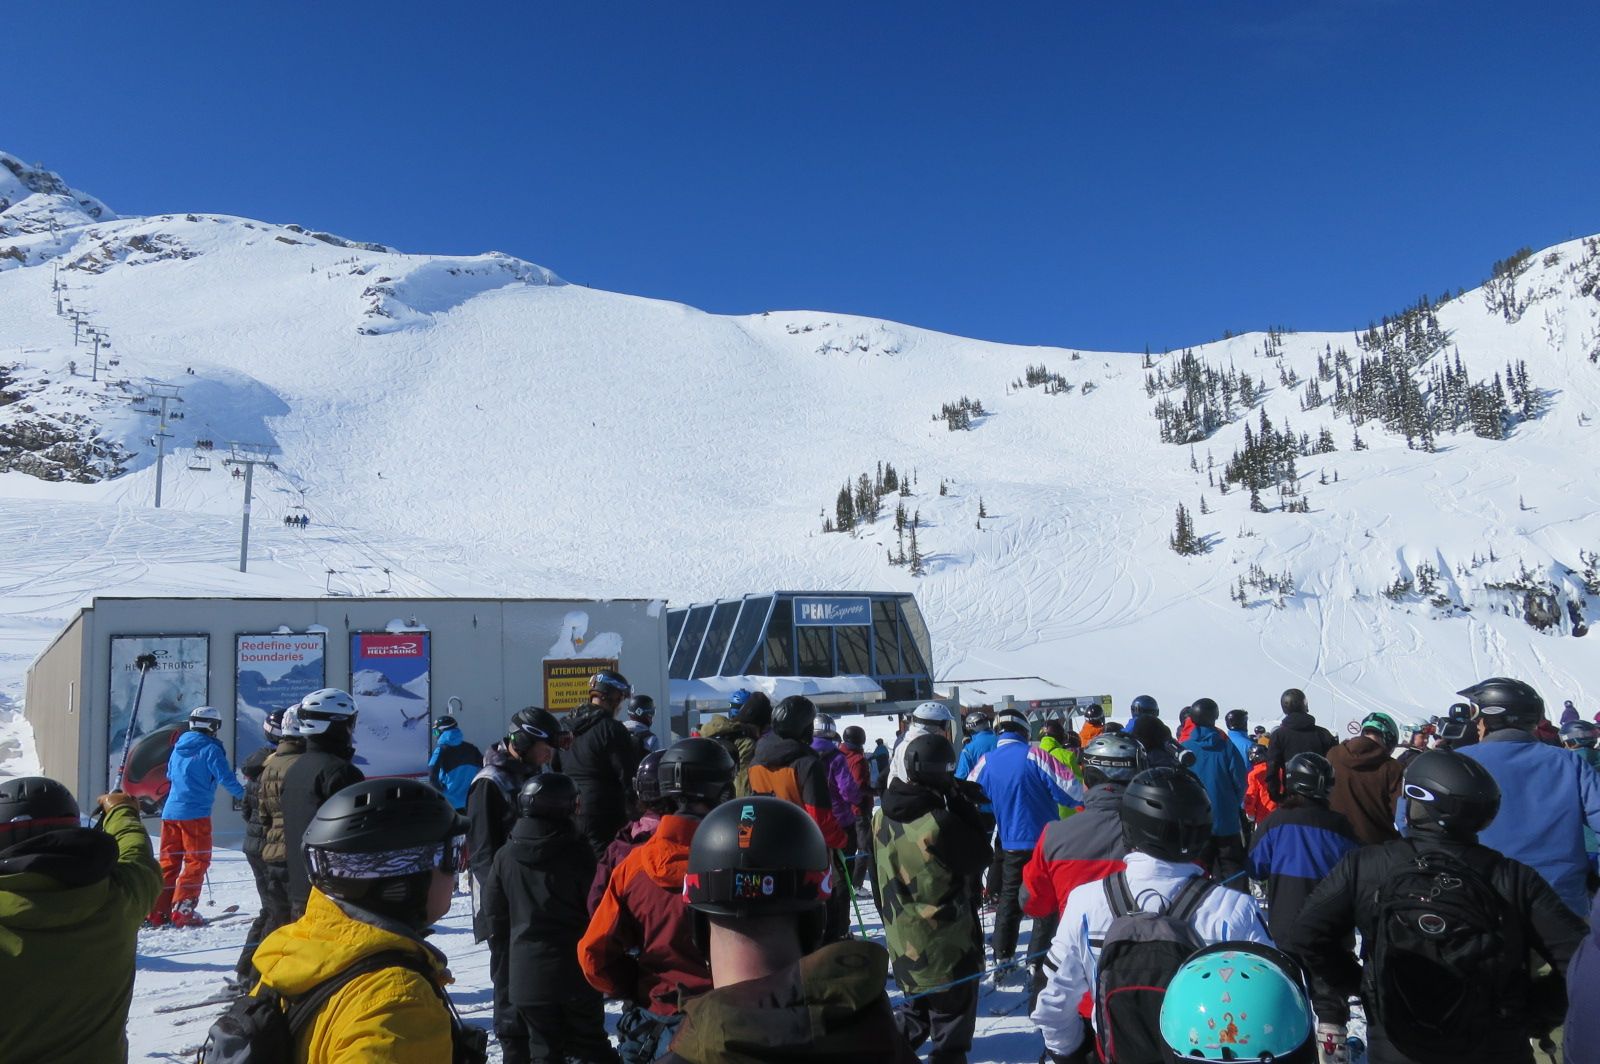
(845, 510)
(981, 511)
(917, 567)
(1183, 540)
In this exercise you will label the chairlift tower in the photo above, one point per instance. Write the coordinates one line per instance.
(164, 395)
(248, 456)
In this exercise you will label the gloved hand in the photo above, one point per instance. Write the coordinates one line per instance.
(1332, 1044)
(108, 802)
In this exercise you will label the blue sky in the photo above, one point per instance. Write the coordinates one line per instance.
(1084, 174)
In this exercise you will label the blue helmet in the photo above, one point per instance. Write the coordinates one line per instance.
(1145, 705)
(1239, 1001)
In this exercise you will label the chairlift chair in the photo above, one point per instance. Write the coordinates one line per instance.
(200, 463)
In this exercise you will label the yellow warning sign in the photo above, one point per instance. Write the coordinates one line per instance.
(566, 681)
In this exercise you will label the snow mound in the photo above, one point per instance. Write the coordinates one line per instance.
(439, 286)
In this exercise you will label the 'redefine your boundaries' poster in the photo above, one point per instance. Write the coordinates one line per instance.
(273, 672)
(389, 679)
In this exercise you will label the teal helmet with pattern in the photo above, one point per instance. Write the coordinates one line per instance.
(1239, 1001)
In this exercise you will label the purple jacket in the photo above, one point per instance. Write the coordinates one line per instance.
(843, 791)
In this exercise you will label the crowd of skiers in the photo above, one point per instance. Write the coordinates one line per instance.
(1218, 893)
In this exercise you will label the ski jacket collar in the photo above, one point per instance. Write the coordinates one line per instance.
(664, 856)
(537, 829)
(1509, 735)
(192, 741)
(586, 717)
(328, 939)
(451, 737)
(1207, 738)
(774, 751)
(1365, 753)
(1107, 797)
(905, 801)
(57, 861)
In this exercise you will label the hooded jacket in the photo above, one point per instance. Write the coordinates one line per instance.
(1258, 804)
(640, 945)
(1546, 797)
(1293, 850)
(389, 1016)
(735, 738)
(860, 770)
(322, 771)
(1026, 787)
(197, 766)
(633, 834)
(602, 762)
(71, 902)
(1366, 787)
(1222, 771)
(254, 832)
(977, 744)
(829, 1006)
(274, 772)
(842, 788)
(790, 770)
(1075, 851)
(535, 900)
(1155, 737)
(1299, 733)
(927, 847)
(453, 765)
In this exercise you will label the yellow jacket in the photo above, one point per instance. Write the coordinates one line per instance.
(390, 1016)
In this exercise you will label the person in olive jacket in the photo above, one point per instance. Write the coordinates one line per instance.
(71, 902)
(602, 760)
(255, 837)
(327, 721)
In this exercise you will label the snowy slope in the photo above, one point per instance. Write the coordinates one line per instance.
(475, 425)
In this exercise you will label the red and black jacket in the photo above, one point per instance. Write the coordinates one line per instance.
(1080, 849)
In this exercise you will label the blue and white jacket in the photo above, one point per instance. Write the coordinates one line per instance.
(197, 765)
(1025, 785)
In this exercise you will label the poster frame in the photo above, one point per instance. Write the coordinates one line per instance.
(353, 635)
(113, 746)
(237, 637)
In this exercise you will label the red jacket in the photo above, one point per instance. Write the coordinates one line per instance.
(861, 772)
(1080, 849)
(1258, 804)
(640, 944)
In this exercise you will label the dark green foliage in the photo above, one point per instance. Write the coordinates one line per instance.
(1183, 539)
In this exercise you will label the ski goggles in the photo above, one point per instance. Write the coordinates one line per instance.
(446, 856)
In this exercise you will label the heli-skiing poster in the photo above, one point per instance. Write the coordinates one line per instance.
(272, 672)
(177, 684)
(389, 674)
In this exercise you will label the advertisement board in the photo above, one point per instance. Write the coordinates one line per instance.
(389, 679)
(566, 682)
(179, 682)
(832, 611)
(272, 672)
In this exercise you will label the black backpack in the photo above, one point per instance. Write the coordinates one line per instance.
(1441, 971)
(262, 1029)
(1141, 953)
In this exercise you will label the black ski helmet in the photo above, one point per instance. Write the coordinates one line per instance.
(548, 796)
(34, 805)
(530, 725)
(610, 682)
(1505, 703)
(444, 724)
(1257, 755)
(272, 726)
(377, 843)
(758, 856)
(1293, 701)
(1237, 720)
(795, 718)
(1012, 720)
(976, 721)
(1145, 706)
(855, 735)
(646, 783)
(1310, 776)
(695, 770)
(642, 707)
(1449, 793)
(1094, 714)
(1204, 712)
(1167, 814)
(931, 761)
(1113, 757)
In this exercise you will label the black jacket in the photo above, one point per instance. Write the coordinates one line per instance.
(1298, 734)
(1347, 900)
(316, 775)
(536, 899)
(1292, 851)
(602, 762)
(254, 830)
(491, 813)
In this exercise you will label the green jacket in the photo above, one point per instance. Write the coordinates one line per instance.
(927, 853)
(71, 902)
(730, 733)
(1067, 757)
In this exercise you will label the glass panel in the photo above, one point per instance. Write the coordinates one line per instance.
(919, 635)
(689, 642)
(716, 639)
(886, 636)
(778, 649)
(899, 690)
(674, 626)
(746, 633)
(816, 651)
(854, 658)
(911, 661)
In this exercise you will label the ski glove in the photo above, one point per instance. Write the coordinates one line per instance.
(1332, 1044)
(108, 802)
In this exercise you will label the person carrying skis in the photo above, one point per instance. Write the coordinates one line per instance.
(197, 766)
(1366, 779)
(454, 762)
(778, 993)
(1167, 824)
(640, 945)
(327, 722)
(1221, 769)
(602, 760)
(1446, 926)
(534, 899)
(1298, 733)
(254, 840)
(1298, 845)
(71, 902)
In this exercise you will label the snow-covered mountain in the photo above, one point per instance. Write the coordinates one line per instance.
(476, 425)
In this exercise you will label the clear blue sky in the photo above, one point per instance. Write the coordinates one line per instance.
(1086, 174)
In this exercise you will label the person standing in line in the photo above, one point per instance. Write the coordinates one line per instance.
(1367, 778)
(1582, 738)
(641, 711)
(851, 749)
(1238, 724)
(327, 721)
(71, 902)
(842, 787)
(454, 762)
(602, 760)
(1297, 846)
(1223, 772)
(1298, 733)
(981, 739)
(1094, 722)
(880, 759)
(274, 836)
(929, 717)
(1258, 804)
(197, 766)
(255, 839)
(652, 807)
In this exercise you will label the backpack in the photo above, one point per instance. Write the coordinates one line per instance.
(1439, 978)
(262, 1029)
(1141, 953)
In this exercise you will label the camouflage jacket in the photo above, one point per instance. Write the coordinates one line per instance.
(928, 846)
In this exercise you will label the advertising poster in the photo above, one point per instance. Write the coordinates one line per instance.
(177, 683)
(272, 672)
(566, 682)
(389, 680)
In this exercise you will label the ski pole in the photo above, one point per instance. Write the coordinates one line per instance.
(144, 663)
(856, 905)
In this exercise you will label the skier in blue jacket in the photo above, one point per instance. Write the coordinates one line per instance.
(1223, 772)
(1547, 795)
(197, 766)
(1238, 722)
(454, 763)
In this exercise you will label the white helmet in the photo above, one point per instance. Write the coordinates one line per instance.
(933, 713)
(206, 719)
(291, 720)
(321, 709)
